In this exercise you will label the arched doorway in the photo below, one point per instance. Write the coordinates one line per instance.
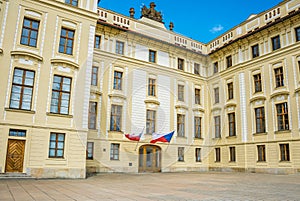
(149, 158)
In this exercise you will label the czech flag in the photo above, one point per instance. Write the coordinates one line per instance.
(134, 137)
(162, 137)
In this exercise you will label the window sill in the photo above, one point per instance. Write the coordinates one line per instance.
(233, 136)
(181, 161)
(258, 134)
(287, 162)
(217, 161)
(261, 162)
(183, 137)
(217, 138)
(59, 115)
(20, 110)
(115, 132)
(283, 132)
(198, 138)
(198, 161)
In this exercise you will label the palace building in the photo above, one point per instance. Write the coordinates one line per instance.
(75, 78)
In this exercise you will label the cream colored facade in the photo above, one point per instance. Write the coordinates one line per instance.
(34, 120)
(111, 81)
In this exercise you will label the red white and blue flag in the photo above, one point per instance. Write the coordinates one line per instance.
(134, 137)
(162, 137)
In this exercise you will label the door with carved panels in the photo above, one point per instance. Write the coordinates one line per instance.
(149, 158)
(15, 155)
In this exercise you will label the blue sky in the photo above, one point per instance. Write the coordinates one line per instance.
(197, 19)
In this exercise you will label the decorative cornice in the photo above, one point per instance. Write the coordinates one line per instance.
(256, 98)
(64, 61)
(114, 95)
(230, 104)
(156, 102)
(279, 93)
(181, 106)
(198, 109)
(25, 53)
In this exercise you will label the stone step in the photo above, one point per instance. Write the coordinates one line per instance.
(15, 176)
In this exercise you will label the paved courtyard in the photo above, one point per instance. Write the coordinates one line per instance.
(159, 186)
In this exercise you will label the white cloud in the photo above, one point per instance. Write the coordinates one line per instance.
(216, 29)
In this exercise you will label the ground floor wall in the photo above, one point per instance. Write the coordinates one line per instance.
(276, 157)
(42, 152)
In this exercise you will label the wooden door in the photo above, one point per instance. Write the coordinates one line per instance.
(15, 156)
(149, 159)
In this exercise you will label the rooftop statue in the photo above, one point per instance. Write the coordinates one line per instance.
(151, 13)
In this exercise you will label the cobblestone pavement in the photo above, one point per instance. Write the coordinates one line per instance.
(156, 186)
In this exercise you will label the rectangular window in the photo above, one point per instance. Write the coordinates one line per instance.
(198, 154)
(255, 51)
(180, 64)
(217, 120)
(229, 61)
(115, 118)
(218, 154)
(119, 47)
(297, 31)
(30, 31)
(197, 127)
(97, 42)
(114, 151)
(231, 121)
(284, 152)
(66, 41)
(92, 115)
(260, 120)
(180, 92)
(279, 77)
(216, 67)
(22, 89)
(17, 133)
(261, 153)
(282, 116)
(180, 153)
(90, 150)
(180, 125)
(150, 121)
(72, 2)
(232, 154)
(257, 82)
(151, 87)
(216, 93)
(197, 96)
(94, 80)
(275, 42)
(196, 69)
(61, 92)
(152, 56)
(230, 90)
(56, 146)
(118, 80)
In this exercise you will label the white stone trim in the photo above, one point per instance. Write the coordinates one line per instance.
(4, 23)
(89, 63)
(55, 37)
(43, 34)
(17, 25)
(243, 106)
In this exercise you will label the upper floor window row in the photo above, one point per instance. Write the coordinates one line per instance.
(72, 2)
(276, 42)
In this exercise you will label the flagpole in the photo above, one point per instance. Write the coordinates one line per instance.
(139, 139)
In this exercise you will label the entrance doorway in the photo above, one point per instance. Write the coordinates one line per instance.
(15, 156)
(149, 158)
